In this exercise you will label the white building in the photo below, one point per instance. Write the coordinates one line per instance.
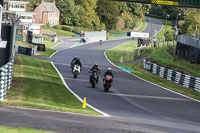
(18, 9)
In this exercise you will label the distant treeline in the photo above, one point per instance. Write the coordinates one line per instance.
(98, 14)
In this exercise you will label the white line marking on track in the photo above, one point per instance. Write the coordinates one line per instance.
(53, 54)
(150, 97)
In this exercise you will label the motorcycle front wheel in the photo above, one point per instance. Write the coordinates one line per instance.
(75, 75)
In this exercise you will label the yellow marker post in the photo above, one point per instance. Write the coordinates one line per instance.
(84, 103)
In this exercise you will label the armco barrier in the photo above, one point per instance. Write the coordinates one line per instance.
(172, 75)
(6, 75)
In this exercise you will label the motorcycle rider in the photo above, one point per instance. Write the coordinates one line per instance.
(109, 72)
(95, 68)
(76, 60)
(100, 42)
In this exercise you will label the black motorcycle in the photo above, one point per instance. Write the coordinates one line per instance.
(107, 82)
(94, 77)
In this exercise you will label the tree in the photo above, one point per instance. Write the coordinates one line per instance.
(135, 12)
(68, 12)
(128, 19)
(192, 22)
(108, 11)
(88, 15)
(169, 36)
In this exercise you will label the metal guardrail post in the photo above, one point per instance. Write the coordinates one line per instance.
(1, 14)
(15, 23)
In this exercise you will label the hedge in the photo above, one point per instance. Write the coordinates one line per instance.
(67, 28)
(59, 27)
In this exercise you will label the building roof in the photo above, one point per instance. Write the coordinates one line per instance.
(51, 7)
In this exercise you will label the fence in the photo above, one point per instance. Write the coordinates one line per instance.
(189, 41)
(188, 49)
(172, 75)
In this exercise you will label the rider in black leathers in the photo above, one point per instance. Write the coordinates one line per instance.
(76, 60)
(95, 68)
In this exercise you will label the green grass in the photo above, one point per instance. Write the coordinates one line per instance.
(157, 56)
(21, 130)
(48, 51)
(59, 32)
(36, 84)
(126, 51)
(148, 51)
(46, 38)
(142, 26)
(24, 44)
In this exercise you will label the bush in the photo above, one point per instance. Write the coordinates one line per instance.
(67, 28)
(59, 27)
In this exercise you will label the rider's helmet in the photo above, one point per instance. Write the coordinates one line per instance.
(109, 69)
(76, 58)
(95, 65)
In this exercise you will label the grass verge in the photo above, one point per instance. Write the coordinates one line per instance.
(59, 32)
(142, 26)
(125, 51)
(21, 130)
(24, 44)
(36, 84)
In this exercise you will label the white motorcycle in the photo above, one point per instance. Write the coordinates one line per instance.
(76, 70)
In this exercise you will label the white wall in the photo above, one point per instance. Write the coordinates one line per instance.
(95, 36)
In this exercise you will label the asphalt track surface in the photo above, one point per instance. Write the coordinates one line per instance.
(134, 105)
